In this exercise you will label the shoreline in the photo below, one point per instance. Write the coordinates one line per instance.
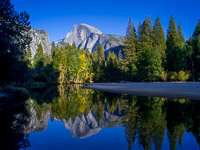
(179, 90)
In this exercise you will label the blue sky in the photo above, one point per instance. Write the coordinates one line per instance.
(57, 17)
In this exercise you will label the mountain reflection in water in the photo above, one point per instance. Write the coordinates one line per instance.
(146, 121)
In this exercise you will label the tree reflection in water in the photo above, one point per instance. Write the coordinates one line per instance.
(145, 119)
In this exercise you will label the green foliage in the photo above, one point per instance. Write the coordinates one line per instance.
(146, 55)
(14, 41)
(172, 44)
(69, 63)
(149, 55)
(99, 63)
(149, 64)
(39, 55)
(145, 120)
(146, 39)
(39, 51)
(181, 36)
(194, 53)
(180, 76)
(172, 35)
(100, 55)
(130, 51)
(28, 57)
(177, 55)
(196, 32)
(112, 71)
(53, 49)
(158, 37)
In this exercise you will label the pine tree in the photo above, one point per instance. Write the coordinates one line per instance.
(89, 64)
(149, 64)
(144, 36)
(39, 56)
(98, 60)
(196, 32)
(28, 57)
(130, 50)
(149, 57)
(172, 44)
(139, 31)
(39, 51)
(120, 56)
(194, 43)
(121, 65)
(138, 41)
(68, 47)
(172, 35)
(129, 44)
(94, 57)
(181, 55)
(148, 19)
(158, 37)
(74, 46)
(53, 49)
(146, 32)
(111, 68)
(129, 28)
(100, 55)
(180, 34)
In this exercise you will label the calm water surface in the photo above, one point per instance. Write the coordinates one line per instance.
(72, 118)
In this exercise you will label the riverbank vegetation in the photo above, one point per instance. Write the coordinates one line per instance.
(146, 55)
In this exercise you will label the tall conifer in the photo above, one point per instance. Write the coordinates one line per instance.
(172, 44)
(196, 32)
(39, 51)
(139, 32)
(100, 55)
(129, 44)
(158, 37)
(53, 49)
(149, 57)
(146, 32)
(180, 33)
(194, 43)
(130, 50)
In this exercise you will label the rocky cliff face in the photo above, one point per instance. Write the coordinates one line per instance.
(37, 37)
(86, 36)
(28, 123)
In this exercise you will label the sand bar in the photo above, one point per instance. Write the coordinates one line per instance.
(187, 90)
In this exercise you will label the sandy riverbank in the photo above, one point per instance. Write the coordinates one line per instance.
(189, 90)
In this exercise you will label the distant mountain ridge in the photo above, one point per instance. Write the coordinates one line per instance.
(86, 36)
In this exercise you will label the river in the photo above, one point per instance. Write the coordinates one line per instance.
(74, 118)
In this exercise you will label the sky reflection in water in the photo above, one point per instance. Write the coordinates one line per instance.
(74, 118)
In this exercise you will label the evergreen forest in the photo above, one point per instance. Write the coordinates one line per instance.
(147, 55)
